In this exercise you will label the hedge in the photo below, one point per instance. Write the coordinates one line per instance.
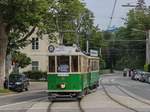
(147, 67)
(36, 75)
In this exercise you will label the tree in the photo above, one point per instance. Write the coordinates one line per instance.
(132, 53)
(62, 19)
(20, 59)
(18, 19)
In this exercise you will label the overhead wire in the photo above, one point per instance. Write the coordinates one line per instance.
(112, 14)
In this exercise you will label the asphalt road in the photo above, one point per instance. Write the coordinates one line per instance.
(36, 90)
(138, 88)
(35, 100)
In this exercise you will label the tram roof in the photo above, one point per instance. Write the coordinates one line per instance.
(65, 50)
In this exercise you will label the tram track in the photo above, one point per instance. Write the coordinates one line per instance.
(33, 103)
(137, 99)
(118, 86)
(49, 109)
(115, 100)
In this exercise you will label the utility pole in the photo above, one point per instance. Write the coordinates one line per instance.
(148, 47)
(87, 42)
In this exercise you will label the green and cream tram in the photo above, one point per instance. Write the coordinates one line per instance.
(71, 73)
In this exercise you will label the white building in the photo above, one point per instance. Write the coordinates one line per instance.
(37, 51)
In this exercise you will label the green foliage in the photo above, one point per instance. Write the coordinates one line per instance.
(132, 53)
(62, 18)
(36, 75)
(147, 67)
(21, 59)
(21, 18)
(102, 63)
(49, 16)
(4, 91)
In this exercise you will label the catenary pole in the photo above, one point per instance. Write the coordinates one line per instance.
(148, 47)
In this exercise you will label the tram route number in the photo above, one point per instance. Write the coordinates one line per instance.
(63, 74)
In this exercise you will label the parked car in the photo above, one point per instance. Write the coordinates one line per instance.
(17, 82)
(125, 72)
(147, 77)
(136, 75)
(142, 77)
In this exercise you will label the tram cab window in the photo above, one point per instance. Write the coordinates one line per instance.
(63, 64)
(74, 64)
(51, 63)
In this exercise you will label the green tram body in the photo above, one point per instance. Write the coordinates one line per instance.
(72, 84)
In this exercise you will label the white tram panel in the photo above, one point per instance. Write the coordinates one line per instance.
(64, 50)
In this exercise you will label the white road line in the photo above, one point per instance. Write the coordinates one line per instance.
(13, 104)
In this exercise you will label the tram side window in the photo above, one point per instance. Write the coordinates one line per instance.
(74, 64)
(63, 64)
(84, 64)
(52, 64)
(95, 65)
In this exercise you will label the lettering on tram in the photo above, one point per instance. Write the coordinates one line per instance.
(71, 73)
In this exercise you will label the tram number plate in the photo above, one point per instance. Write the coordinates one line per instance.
(63, 74)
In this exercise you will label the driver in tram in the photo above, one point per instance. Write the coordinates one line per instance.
(63, 68)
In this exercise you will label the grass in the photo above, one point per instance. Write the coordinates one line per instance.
(2, 90)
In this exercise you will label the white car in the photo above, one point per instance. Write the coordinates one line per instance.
(148, 79)
(137, 76)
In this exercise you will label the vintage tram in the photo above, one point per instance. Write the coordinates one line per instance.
(71, 73)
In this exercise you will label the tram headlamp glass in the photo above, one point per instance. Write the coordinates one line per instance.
(62, 86)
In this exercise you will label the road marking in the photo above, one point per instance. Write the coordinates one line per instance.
(13, 104)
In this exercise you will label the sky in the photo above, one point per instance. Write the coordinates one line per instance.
(102, 10)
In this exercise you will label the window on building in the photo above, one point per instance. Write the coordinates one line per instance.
(35, 65)
(35, 43)
(74, 63)
(51, 63)
(63, 64)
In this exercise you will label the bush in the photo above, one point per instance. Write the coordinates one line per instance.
(147, 67)
(36, 75)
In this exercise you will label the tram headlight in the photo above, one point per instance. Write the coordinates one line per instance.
(62, 86)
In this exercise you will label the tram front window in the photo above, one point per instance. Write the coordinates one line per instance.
(63, 64)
